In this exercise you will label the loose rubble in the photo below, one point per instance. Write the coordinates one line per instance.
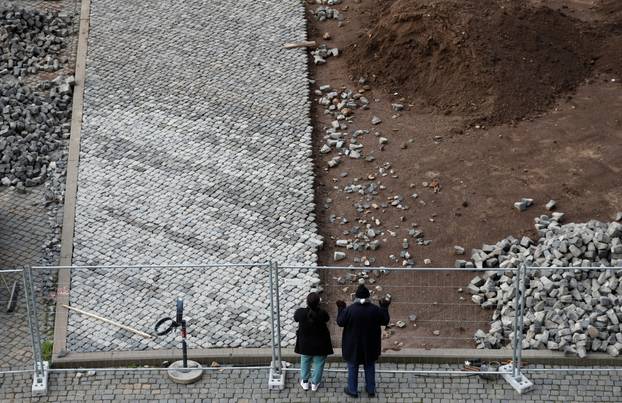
(33, 41)
(341, 143)
(33, 125)
(571, 310)
(327, 13)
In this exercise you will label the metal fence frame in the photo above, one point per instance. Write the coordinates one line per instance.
(513, 373)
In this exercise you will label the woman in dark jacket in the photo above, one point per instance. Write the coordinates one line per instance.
(312, 341)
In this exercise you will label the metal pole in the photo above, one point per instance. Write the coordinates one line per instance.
(181, 322)
(39, 384)
(276, 377)
(278, 317)
(519, 353)
(184, 345)
(273, 334)
(516, 315)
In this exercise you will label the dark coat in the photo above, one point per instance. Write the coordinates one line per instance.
(361, 341)
(312, 336)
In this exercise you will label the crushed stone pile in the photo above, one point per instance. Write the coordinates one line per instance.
(32, 41)
(575, 311)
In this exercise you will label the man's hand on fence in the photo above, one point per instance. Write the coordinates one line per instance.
(340, 304)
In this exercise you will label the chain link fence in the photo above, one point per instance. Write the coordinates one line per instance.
(115, 308)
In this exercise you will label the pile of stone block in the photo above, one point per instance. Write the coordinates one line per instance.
(573, 290)
(33, 125)
(33, 41)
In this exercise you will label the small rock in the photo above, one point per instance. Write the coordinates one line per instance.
(375, 120)
(339, 256)
(550, 205)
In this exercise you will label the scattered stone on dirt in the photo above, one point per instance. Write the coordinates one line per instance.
(564, 308)
(523, 204)
(550, 205)
(339, 256)
(327, 13)
(322, 53)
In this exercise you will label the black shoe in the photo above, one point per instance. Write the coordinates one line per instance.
(371, 394)
(347, 392)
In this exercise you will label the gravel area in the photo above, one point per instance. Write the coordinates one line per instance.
(196, 147)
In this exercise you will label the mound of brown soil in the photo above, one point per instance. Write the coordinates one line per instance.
(494, 60)
(611, 8)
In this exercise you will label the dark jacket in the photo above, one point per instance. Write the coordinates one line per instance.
(312, 336)
(361, 341)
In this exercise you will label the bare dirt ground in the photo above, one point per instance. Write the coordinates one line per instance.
(570, 153)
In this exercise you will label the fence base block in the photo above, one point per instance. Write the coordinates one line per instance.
(276, 379)
(40, 383)
(521, 384)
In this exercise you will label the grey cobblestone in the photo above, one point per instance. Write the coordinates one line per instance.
(251, 386)
(196, 147)
(24, 232)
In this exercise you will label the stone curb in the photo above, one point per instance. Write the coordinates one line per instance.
(262, 356)
(71, 186)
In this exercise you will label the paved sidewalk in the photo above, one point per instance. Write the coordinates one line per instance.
(195, 147)
(251, 385)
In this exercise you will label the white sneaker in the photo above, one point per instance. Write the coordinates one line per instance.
(314, 386)
(305, 385)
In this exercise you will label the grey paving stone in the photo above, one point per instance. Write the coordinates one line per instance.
(251, 386)
(195, 147)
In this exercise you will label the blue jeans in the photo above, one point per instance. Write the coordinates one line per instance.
(318, 367)
(370, 377)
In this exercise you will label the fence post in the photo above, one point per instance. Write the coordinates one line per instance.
(40, 376)
(515, 339)
(521, 317)
(276, 378)
(512, 373)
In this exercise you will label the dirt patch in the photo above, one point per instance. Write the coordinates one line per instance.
(569, 153)
(611, 9)
(494, 61)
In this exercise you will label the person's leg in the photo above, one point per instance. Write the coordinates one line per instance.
(353, 378)
(370, 378)
(318, 369)
(305, 367)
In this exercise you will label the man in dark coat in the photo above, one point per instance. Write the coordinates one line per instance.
(361, 340)
(312, 341)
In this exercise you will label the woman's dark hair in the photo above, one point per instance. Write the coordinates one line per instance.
(313, 302)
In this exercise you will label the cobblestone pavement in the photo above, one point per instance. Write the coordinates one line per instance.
(251, 386)
(196, 147)
(24, 232)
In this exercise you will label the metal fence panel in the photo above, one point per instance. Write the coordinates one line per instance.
(15, 341)
(224, 306)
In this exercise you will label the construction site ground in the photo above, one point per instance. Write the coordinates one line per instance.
(569, 153)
